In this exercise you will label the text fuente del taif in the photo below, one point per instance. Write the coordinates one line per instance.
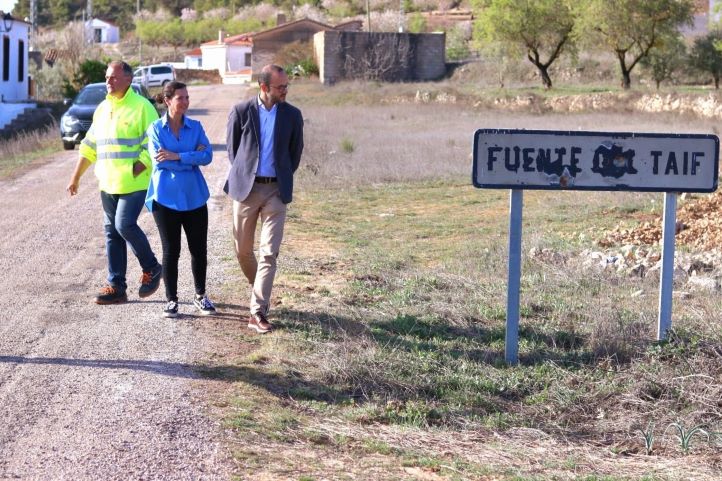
(633, 162)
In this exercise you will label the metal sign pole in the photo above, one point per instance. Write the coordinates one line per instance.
(511, 345)
(666, 283)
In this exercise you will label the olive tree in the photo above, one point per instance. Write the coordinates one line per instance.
(705, 55)
(630, 28)
(666, 59)
(541, 29)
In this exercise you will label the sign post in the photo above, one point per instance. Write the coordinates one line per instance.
(596, 161)
(511, 344)
(666, 281)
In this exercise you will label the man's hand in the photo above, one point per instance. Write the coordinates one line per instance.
(80, 167)
(164, 155)
(138, 168)
(72, 187)
(200, 148)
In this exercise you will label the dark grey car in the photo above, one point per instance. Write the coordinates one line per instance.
(74, 123)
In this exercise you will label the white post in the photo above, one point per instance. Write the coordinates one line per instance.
(666, 283)
(511, 344)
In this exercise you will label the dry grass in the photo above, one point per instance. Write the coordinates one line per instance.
(26, 150)
(391, 298)
(417, 141)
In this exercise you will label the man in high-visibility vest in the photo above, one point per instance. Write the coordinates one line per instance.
(117, 144)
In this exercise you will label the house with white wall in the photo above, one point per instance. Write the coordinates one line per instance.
(239, 58)
(14, 82)
(101, 31)
(228, 54)
(193, 59)
(705, 17)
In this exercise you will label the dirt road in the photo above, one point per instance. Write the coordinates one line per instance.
(93, 392)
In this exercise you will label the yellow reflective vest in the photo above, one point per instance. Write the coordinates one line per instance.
(117, 139)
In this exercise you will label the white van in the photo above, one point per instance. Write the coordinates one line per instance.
(154, 75)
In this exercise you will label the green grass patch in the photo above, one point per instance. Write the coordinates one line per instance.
(407, 329)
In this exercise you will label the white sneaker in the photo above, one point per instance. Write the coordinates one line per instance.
(171, 309)
(204, 305)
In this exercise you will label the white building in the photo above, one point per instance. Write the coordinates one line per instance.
(100, 31)
(193, 59)
(706, 17)
(14, 82)
(228, 54)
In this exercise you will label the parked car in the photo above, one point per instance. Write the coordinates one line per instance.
(154, 75)
(74, 123)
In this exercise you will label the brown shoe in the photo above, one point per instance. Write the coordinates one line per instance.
(259, 323)
(111, 295)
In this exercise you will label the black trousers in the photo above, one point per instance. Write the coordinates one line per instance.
(195, 225)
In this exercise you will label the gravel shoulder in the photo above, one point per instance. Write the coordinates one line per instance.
(105, 392)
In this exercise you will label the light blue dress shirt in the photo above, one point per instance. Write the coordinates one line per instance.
(267, 159)
(178, 184)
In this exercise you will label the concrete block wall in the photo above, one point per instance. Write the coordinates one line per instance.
(380, 55)
(430, 56)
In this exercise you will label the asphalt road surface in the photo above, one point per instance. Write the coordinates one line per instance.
(92, 392)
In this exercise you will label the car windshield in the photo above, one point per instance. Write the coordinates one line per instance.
(91, 95)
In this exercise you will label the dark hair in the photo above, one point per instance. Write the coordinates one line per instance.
(265, 76)
(127, 69)
(169, 91)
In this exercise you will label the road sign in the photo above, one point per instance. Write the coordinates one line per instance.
(558, 160)
(577, 160)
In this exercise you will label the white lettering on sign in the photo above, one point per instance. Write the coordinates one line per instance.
(595, 160)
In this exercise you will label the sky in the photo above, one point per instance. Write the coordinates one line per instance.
(7, 5)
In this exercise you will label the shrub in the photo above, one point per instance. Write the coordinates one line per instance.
(89, 71)
(297, 59)
(347, 146)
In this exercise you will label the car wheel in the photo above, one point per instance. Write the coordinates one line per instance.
(165, 82)
(69, 145)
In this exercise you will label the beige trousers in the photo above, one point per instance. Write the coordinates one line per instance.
(265, 202)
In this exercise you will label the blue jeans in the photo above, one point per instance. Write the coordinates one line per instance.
(121, 228)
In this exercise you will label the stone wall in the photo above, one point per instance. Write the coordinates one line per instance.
(392, 57)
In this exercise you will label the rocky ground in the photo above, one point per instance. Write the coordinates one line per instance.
(637, 251)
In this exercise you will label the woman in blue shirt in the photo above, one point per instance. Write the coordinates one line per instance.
(178, 193)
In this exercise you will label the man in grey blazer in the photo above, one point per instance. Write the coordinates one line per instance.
(264, 141)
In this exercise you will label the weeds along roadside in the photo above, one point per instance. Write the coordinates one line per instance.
(27, 149)
(392, 289)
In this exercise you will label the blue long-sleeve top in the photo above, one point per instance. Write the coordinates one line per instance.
(178, 184)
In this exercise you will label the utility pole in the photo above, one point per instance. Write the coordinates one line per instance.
(368, 16)
(140, 42)
(33, 18)
(401, 16)
(88, 32)
(34, 15)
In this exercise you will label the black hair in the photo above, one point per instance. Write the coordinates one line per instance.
(265, 76)
(169, 91)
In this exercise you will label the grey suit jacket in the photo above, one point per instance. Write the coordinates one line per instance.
(242, 141)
